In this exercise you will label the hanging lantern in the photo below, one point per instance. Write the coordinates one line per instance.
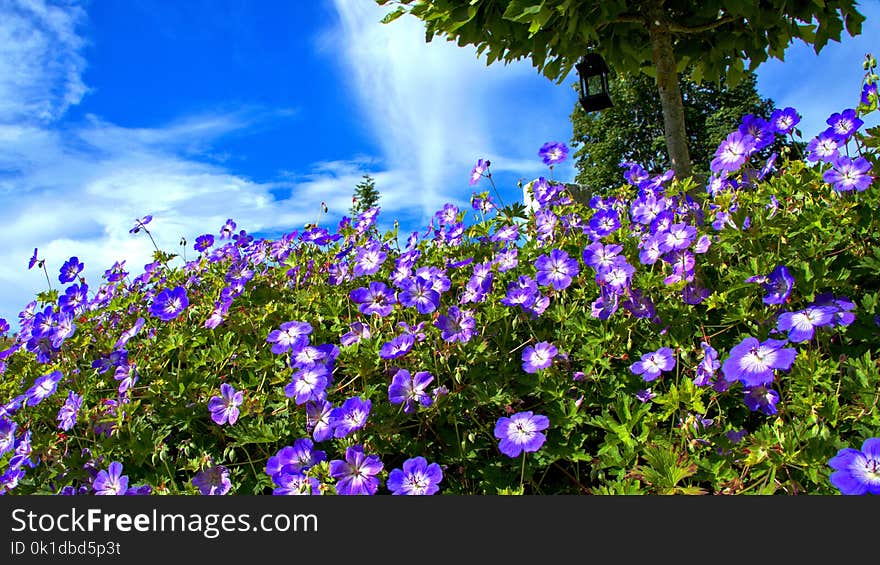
(593, 73)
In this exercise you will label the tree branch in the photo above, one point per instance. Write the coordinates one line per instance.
(627, 19)
(675, 28)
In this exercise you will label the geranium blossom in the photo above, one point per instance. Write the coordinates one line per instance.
(224, 408)
(417, 478)
(356, 475)
(521, 433)
(753, 363)
(857, 472)
(654, 363)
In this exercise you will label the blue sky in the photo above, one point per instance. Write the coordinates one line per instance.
(199, 111)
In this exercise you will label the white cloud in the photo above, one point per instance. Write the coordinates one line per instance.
(435, 108)
(78, 194)
(40, 62)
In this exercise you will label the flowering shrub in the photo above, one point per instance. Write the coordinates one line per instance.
(499, 351)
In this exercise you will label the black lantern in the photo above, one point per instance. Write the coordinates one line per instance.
(593, 73)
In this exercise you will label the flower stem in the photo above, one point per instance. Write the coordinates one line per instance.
(49, 282)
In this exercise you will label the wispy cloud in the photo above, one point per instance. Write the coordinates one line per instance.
(74, 189)
(435, 108)
(78, 192)
(41, 65)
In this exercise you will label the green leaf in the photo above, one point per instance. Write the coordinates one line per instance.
(391, 16)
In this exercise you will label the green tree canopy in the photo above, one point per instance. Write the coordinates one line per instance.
(632, 130)
(660, 38)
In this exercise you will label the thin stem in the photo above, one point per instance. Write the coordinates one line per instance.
(49, 282)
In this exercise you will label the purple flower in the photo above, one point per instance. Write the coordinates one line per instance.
(635, 174)
(617, 277)
(645, 395)
(309, 383)
(298, 458)
(213, 481)
(75, 299)
(752, 362)
(759, 129)
(228, 229)
(67, 414)
(140, 223)
(604, 306)
(369, 259)
(359, 331)
(111, 481)
(783, 121)
(678, 238)
(605, 222)
(653, 364)
(708, 366)
(33, 260)
(553, 153)
(733, 152)
(506, 233)
(129, 333)
(693, 294)
(848, 174)
(869, 94)
(538, 357)
(556, 269)
(458, 325)
(357, 474)
(7, 434)
(521, 292)
(224, 408)
(397, 347)
(420, 293)
(417, 478)
(843, 307)
(857, 472)
(217, 314)
(478, 171)
(506, 260)
(296, 484)
(640, 306)
(521, 433)
(824, 147)
(801, 325)
(168, 304)
(409, 389)
(844, 124)
(203, 242)
(778, 285)
(601, 257)
(377, 299)
(318, 419)
(43, 387)
(349, 417)
(761, 399)
(704, 241)
(70, 270)
(292, 335)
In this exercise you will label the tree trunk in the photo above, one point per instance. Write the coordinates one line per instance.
(670, 94)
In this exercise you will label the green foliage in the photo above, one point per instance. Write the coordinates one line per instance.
(632, 129)
(606, 436)
(365, 196)
(713, 37)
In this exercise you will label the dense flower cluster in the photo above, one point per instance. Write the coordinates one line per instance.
(339, 360)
